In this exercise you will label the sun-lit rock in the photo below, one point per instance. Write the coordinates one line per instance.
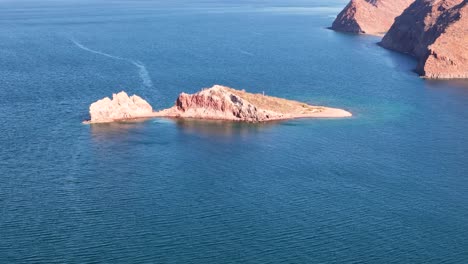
(373, 17)
(120, 107)
(224, 103)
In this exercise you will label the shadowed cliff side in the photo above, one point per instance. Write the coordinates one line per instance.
(436, 33)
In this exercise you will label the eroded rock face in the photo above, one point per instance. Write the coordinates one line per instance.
(369, 16)
(120, 107)
(224, 103)
(220, 103)
(436, 33)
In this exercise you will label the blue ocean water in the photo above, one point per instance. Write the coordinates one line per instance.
(389, 185)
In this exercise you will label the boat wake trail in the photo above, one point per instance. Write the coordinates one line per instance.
(144, 74)
(246, 52)
(142, 71)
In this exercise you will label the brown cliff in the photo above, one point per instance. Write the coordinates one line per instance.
(216, 103)
(436, 33)
(373, 17)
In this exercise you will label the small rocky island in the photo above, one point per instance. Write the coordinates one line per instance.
(215, 103)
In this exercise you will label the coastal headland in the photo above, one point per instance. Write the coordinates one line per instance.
(372, 17)
(435, 32)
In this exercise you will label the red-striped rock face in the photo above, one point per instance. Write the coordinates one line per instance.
(218, 102)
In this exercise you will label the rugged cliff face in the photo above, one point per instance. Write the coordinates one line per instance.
(220, 103)
(120, 107)
(436, 33)
(369, 16)
(447, 56)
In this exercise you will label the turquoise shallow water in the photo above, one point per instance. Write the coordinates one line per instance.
(389, 185)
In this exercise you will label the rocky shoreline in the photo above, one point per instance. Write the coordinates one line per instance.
(215, 103)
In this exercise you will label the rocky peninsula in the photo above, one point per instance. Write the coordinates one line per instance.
(373, 17)
(215, 103)
(436, 33)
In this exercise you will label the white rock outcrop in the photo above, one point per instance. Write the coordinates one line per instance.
(121, 107)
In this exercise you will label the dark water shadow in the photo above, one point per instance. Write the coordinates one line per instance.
(455, 91)
(456, 83)
(224, 129)
(116, 130)
(400, 62)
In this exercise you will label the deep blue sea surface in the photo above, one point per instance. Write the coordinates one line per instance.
(389, 185)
